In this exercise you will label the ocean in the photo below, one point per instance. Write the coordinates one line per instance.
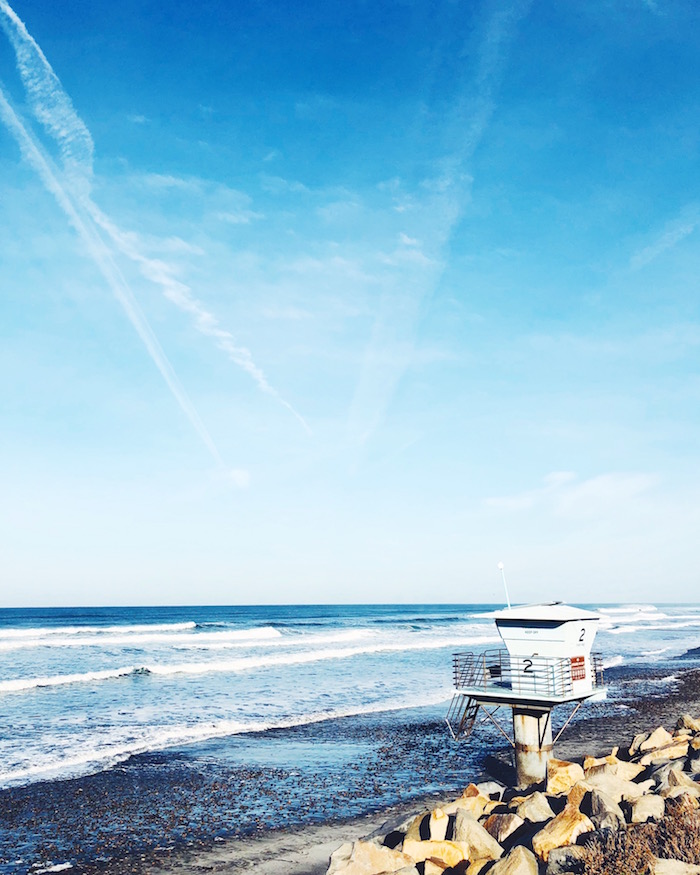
(134, 730)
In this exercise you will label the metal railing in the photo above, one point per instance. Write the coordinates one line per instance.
(497, 670)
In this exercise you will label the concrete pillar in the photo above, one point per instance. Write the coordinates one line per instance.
(532, 731)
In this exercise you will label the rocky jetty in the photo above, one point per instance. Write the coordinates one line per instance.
(636, 810)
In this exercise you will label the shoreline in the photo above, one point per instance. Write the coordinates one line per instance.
(305, 850)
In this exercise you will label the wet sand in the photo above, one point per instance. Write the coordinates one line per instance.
(306, 851)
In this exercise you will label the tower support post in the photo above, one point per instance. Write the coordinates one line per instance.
(532, 733)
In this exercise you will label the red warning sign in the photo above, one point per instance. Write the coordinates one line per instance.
(578, 668)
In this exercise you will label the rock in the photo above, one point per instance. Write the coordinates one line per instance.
(603, 810)
(637, 742)
(366, 858)
(434, 867)
(563, 861)
(688, 722)
(437, 825)
(492, 789)
(449, 853)
(679, 748)
(589, 762)
(477, 866)
(535, 808)
(617, 788)
(563, 830)
(695, 743)
(692, 766)
(672, 867)
(472, 800)
(686, 793)
(658, 738)
(613, 766)
(419, 828)
(677, 778)
(647, 808)
(400, 823)
(482, 845)
(520, 861)
(562, 775)
(408, 870)
(500, 826)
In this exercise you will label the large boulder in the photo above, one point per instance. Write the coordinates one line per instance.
(613, 766)
(492, 789)
(562, 775)
(450, 853)
(678, 778)
(480, 842)
(647, 808)
(473, 801)
(672, 867)
(563, 830)
(520, 861)
(678, 748)
(659, 738)
(500, 826)
(535, 808)
(367, 858)
(603, 810)
(419, 827)
(437, 825)
(570, 860)
(688, 722)
(617, 788)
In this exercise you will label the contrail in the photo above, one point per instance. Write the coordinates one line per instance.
(54, 110)
(42, 164)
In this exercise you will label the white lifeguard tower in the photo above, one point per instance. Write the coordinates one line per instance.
(547, 662)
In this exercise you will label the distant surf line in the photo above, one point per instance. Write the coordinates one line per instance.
(242, 664)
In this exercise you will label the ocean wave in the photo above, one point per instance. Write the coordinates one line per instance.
(612, 661)
(240, 637)
(47, 631)
(232, 666)
(99, 758)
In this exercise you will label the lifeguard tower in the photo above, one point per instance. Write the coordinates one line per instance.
(547, 661)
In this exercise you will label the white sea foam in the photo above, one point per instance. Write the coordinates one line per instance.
(612, 661)
(242, 664)
(57, 867)
(103, 756)
(235, 637)
(47, 631)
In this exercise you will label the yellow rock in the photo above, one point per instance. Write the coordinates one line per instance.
(611, 765)
(658, 738)
(535, 808)
(617, 788)
(647, 808)
(576, 794)
(481, 844)
(678, 748)
(500, 826)
(476, 867)
(366, 858)
(450, 853)
(413, 831)
(689, 723)
(562, 775)
(472, 800)
(434, 867)
(520, 861)
(438, 823)
(563, 830)
(695, 743)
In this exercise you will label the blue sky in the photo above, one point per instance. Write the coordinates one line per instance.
(326, 302)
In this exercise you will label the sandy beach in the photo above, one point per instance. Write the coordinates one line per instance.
(306, 851)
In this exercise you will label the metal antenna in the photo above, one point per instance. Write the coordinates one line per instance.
(505, 585)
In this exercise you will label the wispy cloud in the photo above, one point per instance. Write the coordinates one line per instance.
(42, 164)
(675, 231)
(565, 495)
(434, 208)
(71, 186)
